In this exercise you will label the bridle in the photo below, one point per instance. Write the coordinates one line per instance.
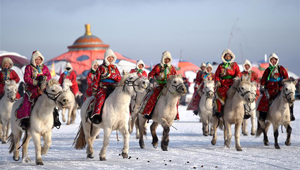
(247, 109)
(176, 87)
(130, 83)
(53, 96)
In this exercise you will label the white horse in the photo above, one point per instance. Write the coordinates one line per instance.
(115, 116)
(250, 108)
(206, 106)
(279, 114)
(239, 93)
(164, 112)
(6, 103)
(41, 123)
(72, 105)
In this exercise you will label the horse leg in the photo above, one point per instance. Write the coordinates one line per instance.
(289, 132)
(25, 157)
(154, 135)
(275, 127)
(73, 115)
(165, 138)
(37, 144)
(142, 129)
(253, 123)
(125, 134)
(63, 111)
(237, 136)
(205, 127)
(1, 133)
(244, 127)
(15, 142)
(69, 116)
(47, 142)
(137, 128)
(107, 132)
(89, 139)
(214, 126)
(211, 131)
(7, 130)
(4, 132)
(262, 128)
(227, 134)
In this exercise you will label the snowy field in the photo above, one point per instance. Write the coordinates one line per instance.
(188, 149)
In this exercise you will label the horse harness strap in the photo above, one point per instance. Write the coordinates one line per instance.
(53, 96)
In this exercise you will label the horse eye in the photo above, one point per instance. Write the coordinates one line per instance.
(175, 81)
(286, 89)
(131, 78)
(53, 90)
(242, 88)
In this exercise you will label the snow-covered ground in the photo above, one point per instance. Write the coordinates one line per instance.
(188, 149)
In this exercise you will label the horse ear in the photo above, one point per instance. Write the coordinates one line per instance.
(124, 73)
(295, 82)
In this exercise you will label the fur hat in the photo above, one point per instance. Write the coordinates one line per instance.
(140, 62)
(247, 62)
(208, 65)
(273, 55)
(94, 63)
(35, 55)
(203, 65)
(227, 51)
(166, 54)
(10, 62)
(69, 65)
(108, 53)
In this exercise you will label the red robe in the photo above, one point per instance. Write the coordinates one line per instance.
(30, 77)
(201, 76)
(143, 74)
(253, 77)
(225, 77)
(71, 76)
(11, 75)
(158, 73)
(105, 76)
(272, 86)
(89, 79)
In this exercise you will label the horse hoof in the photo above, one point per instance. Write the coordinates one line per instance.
(287, 143)
(125, 155)
(154, 145)
(277, 147)
(97, 137)
(266, 143)
(91, 156)
(39, 163)
(245, 134)
(16, 158)
(205, 134)
(239, 149)
(213, 142)
(164, 148)
(252, 133)
(3, 142)
(142, 145)
(102, 159)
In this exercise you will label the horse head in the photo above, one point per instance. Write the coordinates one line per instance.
(132, 83)
(175, 85)
(66, 84)
(246, 89)
(54, 92)
(208, 88)
(11, 89)
(289, 89)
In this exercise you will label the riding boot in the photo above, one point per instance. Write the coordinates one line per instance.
(56, 122)
(96, 119)
(1, 96)
(25, 123)
(246, 116)
(195, 112)
(219, 114)
(292, 112)
(262, 116)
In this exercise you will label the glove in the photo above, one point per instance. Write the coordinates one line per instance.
(218, 84)
(42, 78)
(262, 89)
(151, 80)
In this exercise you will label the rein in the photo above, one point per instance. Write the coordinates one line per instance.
(176, 87)
(53, 96)
(130, 83)
(286, 97)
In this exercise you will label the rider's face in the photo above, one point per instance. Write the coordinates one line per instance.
(110, 59)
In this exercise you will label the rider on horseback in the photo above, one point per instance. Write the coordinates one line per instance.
(224, 79)
(7, 74)
(253, 77)
(271, 84)
(139, 69)
(36, 73)
(107, 76)
(160, 73)
(90, 79)
(194, 103)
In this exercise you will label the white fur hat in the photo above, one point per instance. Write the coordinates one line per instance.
(140, 62)
(36, 54)
(94, 63)
(6, 59)
(227, 51)
(208, 65)
(273, 55)
(108, 53)
(69, 65)
(203, 65)
(249, 63)
(166, 54)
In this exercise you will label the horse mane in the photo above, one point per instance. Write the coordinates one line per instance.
(52, 82)
(125, 75)
(164, 91)
(11, 83)
(68, 81)
(237, 82)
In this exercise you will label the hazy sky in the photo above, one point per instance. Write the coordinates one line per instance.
(144, 29)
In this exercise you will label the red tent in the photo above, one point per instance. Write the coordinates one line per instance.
(184, 66)
(18, 60)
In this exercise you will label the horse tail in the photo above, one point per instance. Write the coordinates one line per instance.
(79, 140)
(258, 129)
(12, 142)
